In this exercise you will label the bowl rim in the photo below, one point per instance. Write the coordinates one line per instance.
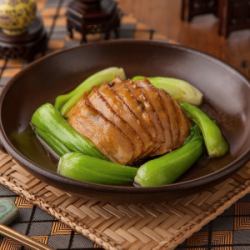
(54, 176)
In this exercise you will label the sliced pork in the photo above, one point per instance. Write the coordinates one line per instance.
(130, 120)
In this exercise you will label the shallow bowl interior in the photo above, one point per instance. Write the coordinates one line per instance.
(227, 99)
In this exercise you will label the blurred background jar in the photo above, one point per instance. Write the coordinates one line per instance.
(16, 15)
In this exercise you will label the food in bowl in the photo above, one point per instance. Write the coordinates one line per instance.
(109, 125)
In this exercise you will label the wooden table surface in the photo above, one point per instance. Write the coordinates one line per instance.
(201, 33)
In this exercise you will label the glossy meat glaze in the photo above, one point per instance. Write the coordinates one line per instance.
(130, 120)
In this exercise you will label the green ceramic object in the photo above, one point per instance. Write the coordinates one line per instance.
(16, 15)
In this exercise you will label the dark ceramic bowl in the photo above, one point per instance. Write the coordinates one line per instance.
(227, 99)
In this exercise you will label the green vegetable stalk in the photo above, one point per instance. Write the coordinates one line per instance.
(180, 90)
(215, 142)
(86, 168)
(169, 167)
(58, 147)
(65, 102)
(58, 134)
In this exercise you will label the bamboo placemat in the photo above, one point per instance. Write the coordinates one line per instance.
(160, 225)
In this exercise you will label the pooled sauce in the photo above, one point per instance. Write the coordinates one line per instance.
(29, 145)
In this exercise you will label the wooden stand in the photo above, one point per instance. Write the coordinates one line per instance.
(93, 16)
(234, 15)
(26, 45)
(192, 8)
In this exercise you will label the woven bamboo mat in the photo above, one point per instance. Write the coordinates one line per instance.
(132, 226)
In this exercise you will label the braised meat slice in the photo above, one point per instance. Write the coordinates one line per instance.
(108, 138)
(123, 111)
(138, 109)
(100, 104)
(130, 120)
(147, 107)
(163, 128)
(183, 125)
(172, 116)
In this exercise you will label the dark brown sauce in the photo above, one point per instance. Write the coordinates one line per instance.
(31, 147)
(206, 165)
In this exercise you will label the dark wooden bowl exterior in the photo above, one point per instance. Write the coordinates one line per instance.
(227, 99)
